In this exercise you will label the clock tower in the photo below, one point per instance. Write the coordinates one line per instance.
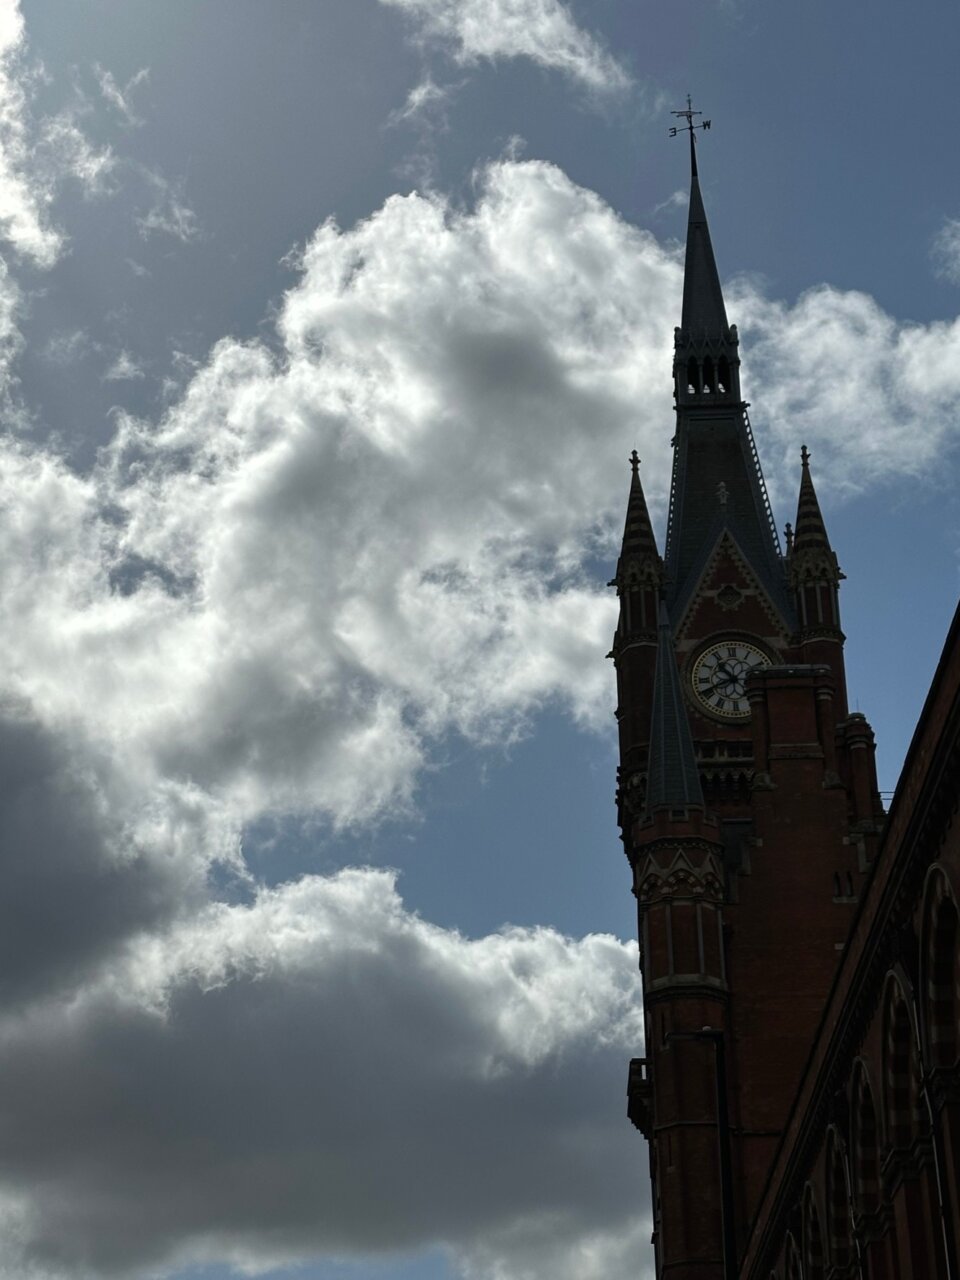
(747, 793)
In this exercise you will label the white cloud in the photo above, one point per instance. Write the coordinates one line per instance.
(11, 26)
(434, 453)
(123, 369)
(426, 101)
(329, 558)
(541, 30)
(676, 200)
(25, 195)
(37, 155)
(945, 251)
(562, 1246)
(120, 98)
(326, 557)
(874, 398)
(11, 341)
(168, 214)
(70, 153)
(68, 346)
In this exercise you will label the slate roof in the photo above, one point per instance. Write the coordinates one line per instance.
(811, 532)
(714, 449)
(673, 780)
(703, 309)
(639, 541)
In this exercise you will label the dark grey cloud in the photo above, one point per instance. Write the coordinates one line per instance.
(321, 1072)
(73, 883)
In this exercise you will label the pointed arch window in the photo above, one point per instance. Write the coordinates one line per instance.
(865, 1150)
(813, 1254)
(794, 1266)
(709, 383)
(723, 375)
(693, 377)
(838, 1205)
(942, 974)
(900, 1070)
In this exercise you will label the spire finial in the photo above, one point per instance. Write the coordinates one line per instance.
(635, 462)
(804, 456)
(690, 127)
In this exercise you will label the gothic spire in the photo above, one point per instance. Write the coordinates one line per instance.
(673, 781)
(639, 542)
(639, 575)
(713, 443)
(703, 314)
(810, 533)
(811, 557)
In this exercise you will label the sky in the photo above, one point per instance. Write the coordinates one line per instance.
(326, 330)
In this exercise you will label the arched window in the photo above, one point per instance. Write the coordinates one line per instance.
(838, 1204)
(708, 381)
(723, 375)
(693, 377)
(865, 1151)
(942, 973)
(813, 1256)
(900, 1069)
(794, 1268)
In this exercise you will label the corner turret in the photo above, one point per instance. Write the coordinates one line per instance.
(638, 580)
(814, 577)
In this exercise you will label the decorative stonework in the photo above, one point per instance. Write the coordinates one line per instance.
(816, 564)
(750, 588)
(640, 571)
(692, 872)
(728, 596)
(633, 793)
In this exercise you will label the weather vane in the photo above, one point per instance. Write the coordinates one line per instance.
(691, 124)
(690, 127)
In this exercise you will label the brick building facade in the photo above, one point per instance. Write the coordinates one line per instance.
(798, 946)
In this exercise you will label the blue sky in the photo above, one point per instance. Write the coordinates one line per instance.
(326, 329)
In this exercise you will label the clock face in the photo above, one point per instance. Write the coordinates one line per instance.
(720, 677)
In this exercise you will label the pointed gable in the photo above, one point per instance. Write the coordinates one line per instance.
(724, 586)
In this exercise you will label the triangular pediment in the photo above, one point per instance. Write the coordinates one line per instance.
(727, 595)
